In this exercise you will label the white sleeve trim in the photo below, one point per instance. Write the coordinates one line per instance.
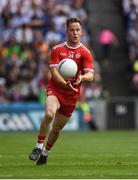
(53, 65)
(88, 69)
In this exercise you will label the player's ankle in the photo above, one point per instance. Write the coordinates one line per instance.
(39, 145)
(41, 138)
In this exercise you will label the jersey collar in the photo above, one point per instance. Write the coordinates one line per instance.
(73, 47)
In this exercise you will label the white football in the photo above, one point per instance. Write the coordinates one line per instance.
(67, 68)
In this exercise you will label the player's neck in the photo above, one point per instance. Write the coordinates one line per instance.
(74, 45)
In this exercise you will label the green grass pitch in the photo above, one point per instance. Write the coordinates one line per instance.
(85, 155)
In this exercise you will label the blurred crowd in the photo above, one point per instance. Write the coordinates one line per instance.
(28, 31)
(130, 9)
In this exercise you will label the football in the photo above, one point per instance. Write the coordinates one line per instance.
(67, 68)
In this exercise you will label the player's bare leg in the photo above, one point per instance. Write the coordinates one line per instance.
(52, 105)
(59, 123)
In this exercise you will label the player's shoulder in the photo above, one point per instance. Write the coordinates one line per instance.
(88, 51)
(59, 46)
(85, 49)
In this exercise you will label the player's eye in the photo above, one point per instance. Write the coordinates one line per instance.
(75, 30)
(78, 30)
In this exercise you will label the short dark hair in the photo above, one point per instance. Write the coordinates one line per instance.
(73, 20)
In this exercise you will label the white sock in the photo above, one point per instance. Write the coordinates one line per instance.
(45, 152)
(39, 145)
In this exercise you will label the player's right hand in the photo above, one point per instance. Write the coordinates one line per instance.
(69, 86)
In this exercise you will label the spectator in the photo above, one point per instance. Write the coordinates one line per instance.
(3, 91)
(133, 42)
(53, 36)
(135, 75)
(88, 113)
(106, 39)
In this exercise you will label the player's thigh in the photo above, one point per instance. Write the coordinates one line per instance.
(60, 120)
(52, 104)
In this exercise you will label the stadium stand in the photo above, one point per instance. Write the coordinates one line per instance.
(108, 14)
(130, 10)
(28, 30)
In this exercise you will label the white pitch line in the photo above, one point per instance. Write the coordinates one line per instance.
(9, 175)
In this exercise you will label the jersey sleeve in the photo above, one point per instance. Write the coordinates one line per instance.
(54, 58)
(88, 61)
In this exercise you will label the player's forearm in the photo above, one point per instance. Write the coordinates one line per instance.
(57, 78)
(89, 76)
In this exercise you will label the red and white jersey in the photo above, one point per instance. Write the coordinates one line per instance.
(81, 55)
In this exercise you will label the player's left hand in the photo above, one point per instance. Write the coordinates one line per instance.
(79, 79)
(69, 86)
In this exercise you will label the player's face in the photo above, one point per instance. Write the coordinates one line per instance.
(74, 33)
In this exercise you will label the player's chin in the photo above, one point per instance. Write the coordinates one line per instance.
(75, 40)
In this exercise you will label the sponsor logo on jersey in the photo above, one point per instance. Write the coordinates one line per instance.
(78, 55)
(63, 54)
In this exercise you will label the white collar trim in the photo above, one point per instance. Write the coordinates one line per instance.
(73, 47)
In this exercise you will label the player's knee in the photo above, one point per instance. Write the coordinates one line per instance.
(50, 114)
